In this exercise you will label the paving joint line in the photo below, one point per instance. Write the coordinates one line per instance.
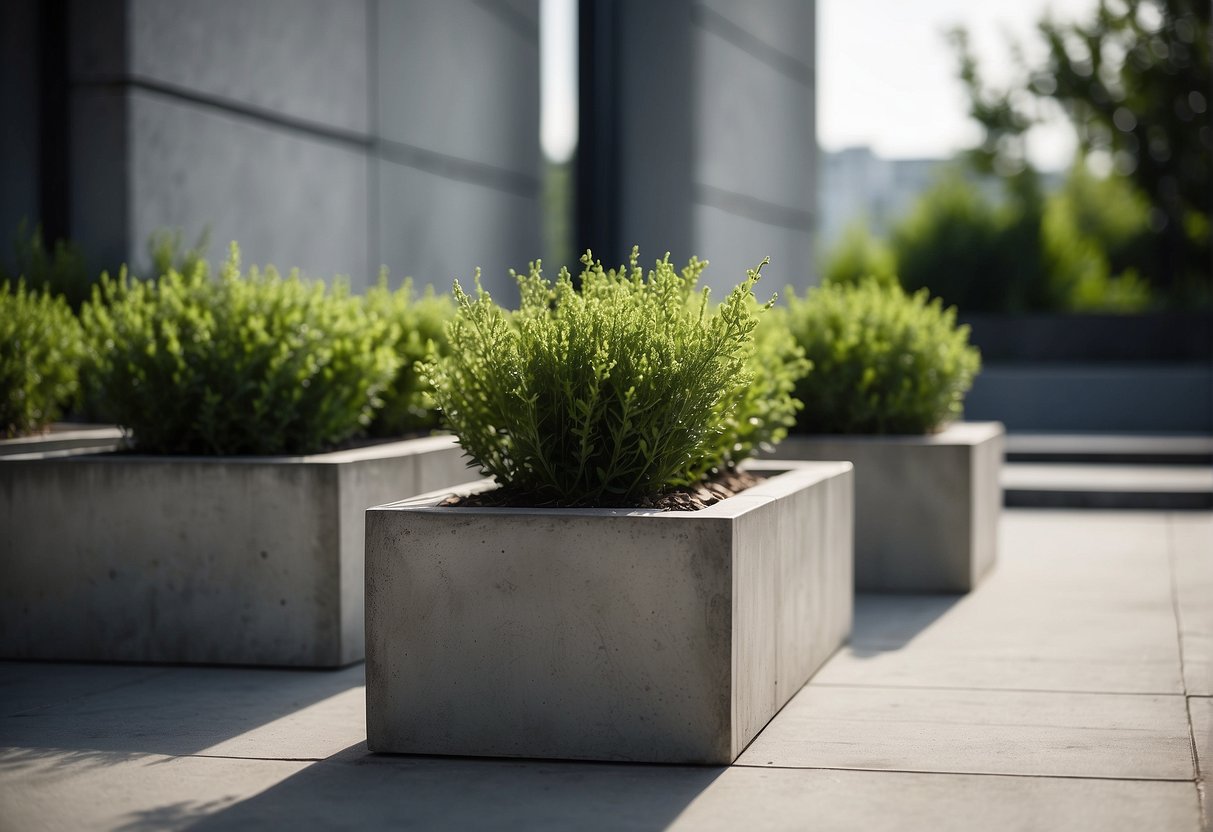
(250, 757)
(996, 690)
(1172, 557)
(973, 773)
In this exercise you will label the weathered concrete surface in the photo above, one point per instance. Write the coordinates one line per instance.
(926, 507)
(95, 439)
(603, 634)
(236, 560)
(136, 747)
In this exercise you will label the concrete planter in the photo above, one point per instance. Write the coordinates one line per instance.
(926, 507)
(230, 560)
(63, 441)
(604, 634)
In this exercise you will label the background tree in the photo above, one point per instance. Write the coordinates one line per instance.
(1135, 80)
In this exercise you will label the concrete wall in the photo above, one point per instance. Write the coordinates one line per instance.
(333, 135)
(713, 122)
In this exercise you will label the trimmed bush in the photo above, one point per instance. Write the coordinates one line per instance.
(614, 393)
(884, 361)
(245, 364)
(420, 324)
(58, 268)
(40, 349)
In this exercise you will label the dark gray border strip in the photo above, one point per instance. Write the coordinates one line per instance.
(754, 209)
(429, 161)
(713, 21)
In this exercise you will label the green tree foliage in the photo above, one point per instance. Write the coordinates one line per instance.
(858, 256)
(1135, 80)
(245, 364)
(884, 361)
(420, 325)
(615, 392)
(40, 350)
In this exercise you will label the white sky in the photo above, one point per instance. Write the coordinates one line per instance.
(886, 76)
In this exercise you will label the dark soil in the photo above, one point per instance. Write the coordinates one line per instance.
(690, 498)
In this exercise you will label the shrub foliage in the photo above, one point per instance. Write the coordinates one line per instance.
(615, 392)
(420, 324)
(245, 364)
(40, 350)
(883, 361)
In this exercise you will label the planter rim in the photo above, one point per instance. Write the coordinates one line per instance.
(378, 450)
(786, 476)
(959, 432)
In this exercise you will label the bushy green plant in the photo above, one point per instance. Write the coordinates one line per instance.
(40, 351)
(858, 256)
(167, 250)
(612, 393)
(420, 329)
(58, 268)
(245, 364)
(884, 361)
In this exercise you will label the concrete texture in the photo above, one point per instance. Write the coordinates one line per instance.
(604, 634)
(1191, 541)
(216, 160)
(137, 747)
(331, 136)
(93, 438)
(708, 122)
(926, 507)
(234, 560)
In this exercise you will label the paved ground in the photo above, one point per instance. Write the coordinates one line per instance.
(1073, 691)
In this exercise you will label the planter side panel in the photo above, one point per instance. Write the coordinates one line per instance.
(373, 482)
(926, 508)
(517, 634)
(793, 597)
(168, 561)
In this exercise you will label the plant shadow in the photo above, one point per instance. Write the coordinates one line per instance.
(358, 789)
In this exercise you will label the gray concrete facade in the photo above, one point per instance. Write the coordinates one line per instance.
(710, 131)
(333, 136)
(215, 560)
(607, 634)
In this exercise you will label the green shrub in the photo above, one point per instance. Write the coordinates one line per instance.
(40, 350)
(421, 328)
(59, 269)
(884, 361)
(611, 394)
(256, 364)
(167, 251)
(858, 256)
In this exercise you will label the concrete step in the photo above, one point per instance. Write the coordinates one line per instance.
(1131, 449)
(1070, 485)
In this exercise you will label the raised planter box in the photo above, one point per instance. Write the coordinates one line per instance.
(227, 560)
(926, 507)
(63, 440)
(604, 634)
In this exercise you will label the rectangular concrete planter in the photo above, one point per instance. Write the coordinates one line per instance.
(604, 634)
(228, 560)
(63, 441)
(926, 507)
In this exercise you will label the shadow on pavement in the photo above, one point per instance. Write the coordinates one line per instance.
(357, 789)
(889, 622)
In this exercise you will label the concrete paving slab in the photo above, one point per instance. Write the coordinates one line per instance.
(67, 789)
(31, 686)
(979, 732)
(775, 800)
(1201, 710)
(1192, 542)
(1051, 617)
(286, 714)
